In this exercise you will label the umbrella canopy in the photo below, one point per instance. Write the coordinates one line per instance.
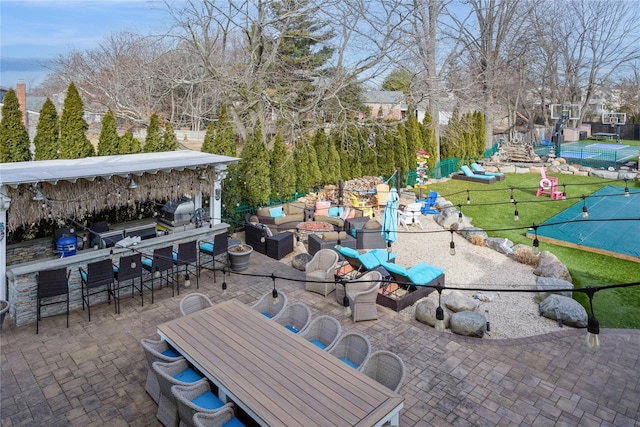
(390, 218)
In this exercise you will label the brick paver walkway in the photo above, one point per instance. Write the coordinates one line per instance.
(94, 372)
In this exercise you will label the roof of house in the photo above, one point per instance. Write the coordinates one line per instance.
(384, 97)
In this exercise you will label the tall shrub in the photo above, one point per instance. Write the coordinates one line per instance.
(47, 139)
(282, 173)
(108, 141)
(255, 159)
(14, 139)
(153, 140)
(74, 143)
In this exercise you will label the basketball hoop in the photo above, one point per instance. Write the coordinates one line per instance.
(613, 121)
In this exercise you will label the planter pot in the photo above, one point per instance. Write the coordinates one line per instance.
(239, 256)
(4, 308)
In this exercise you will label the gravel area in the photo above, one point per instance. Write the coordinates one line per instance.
(511, 314)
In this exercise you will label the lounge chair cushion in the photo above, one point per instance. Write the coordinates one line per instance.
(369, 260)
(468, 172)
(349, 252)
(395, 268)
(383, 255)
(422, 273)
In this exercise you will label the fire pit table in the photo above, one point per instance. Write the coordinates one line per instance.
(312, 227)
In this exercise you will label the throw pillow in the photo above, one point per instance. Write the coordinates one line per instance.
(254, 219)
(322, 208)
(372, 224)
(276, 212)
(335, 211)
(345, 213)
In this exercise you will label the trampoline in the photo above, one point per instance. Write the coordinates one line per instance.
(620, 239)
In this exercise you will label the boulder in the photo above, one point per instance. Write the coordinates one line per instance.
(626, 174)
(501, 245)
(545, 286)
(299, 262)
(567, 309)
(456, 301)
(469, 232)
(550, 266)
(449, 216)
(426, 312)
(604, 174)
(468, 323)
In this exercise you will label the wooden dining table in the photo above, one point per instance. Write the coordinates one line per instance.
(277, 377)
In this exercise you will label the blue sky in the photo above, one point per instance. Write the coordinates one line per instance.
(33, 31)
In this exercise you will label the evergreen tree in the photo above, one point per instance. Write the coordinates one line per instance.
(255, 159)
(343, 166)
(481, 134)
(368, 160)
(169, 140)
(303, 175)
(14, 139)
(153, 140)
(353, 148)
(73, 127)
(224, 140)
(385, 150)
(108, 141)
(402, 160)
(321, 148)
(332, 167)
(414, 140)
(207, 144)
(128, 144)
(47, 140)
(429, 139)
(282, 175)
(315, 175)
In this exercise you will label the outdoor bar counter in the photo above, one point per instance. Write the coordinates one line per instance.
(22, 278)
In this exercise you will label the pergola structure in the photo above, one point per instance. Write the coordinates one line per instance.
(31, 191)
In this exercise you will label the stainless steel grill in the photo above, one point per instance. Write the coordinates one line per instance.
(177, 212)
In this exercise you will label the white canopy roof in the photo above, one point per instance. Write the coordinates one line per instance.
(13, 174)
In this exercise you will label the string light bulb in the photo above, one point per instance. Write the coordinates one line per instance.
(224, 282)
(460, 214)
(516, 214)
(187, 280)
(626, 189)
(440, 326)
(274, 293)
(468, 198)
(564, 191)
(585, 211)
(452, 245)
(511, 199)
(536, 242)
(593, 326)
(345, 301)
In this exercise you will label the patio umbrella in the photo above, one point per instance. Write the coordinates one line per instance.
(390, 218)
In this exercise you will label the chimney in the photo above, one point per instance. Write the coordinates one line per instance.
(21, 92)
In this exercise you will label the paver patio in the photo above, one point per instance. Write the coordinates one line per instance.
(94, 373)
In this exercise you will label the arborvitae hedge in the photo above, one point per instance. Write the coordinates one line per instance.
(73, 128)
(14, 139)
(47, 139)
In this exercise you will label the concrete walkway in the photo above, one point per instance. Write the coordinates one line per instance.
(93, 373)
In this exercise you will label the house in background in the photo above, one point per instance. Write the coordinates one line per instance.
(391, 105)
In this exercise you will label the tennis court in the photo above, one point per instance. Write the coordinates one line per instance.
(604, 231)
(598, 154)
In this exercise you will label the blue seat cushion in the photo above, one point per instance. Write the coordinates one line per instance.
(170, 352)
(318, 344)
(84, 275)
(267, 314)
(233, 422)
(383, 256)
(349, 362)
(208, 400)
(206, 247)
(174, 255)
(115, 268)
(423, 273)
(147, 261)
(395, 268)
(187, 376)
(349, 252)
(369, 260)
(292, 328)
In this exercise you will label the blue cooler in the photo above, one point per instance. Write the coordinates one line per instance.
(66, 246)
